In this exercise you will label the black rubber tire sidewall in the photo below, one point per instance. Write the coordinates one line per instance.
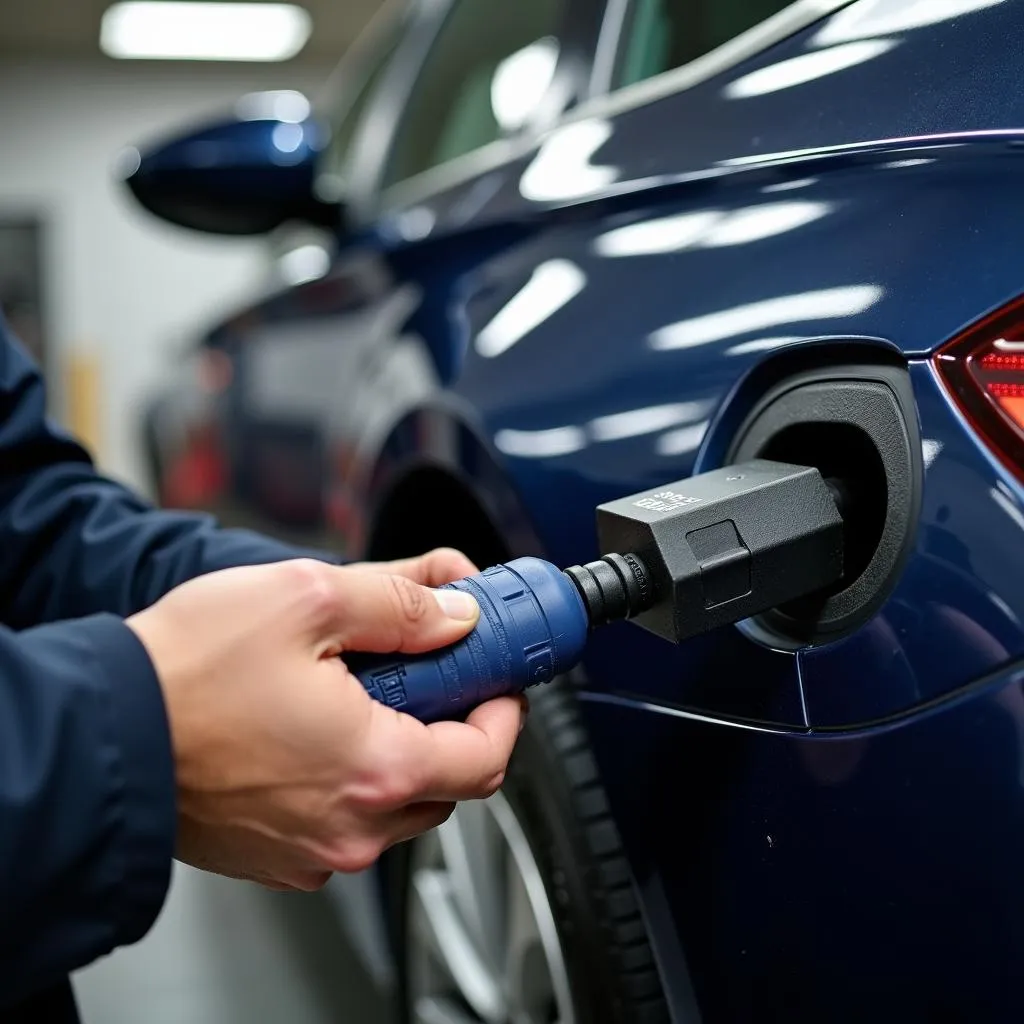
(553, 788)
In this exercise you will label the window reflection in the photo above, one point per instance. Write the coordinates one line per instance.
(663, 34)
(486, 73)
(828, 303)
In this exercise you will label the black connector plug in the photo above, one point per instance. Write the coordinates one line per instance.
(704, 552)
(715, 549)
(614, 587)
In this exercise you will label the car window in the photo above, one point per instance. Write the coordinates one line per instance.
(488, 71)
(345, 105)
(663, 34)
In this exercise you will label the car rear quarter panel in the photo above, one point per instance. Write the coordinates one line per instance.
(820, 851)
(664, 300)
(862, 838)
(814, 878)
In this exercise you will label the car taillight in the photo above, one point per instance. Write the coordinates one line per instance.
(984, 371)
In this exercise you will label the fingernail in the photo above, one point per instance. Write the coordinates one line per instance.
(456, 604)
(524, 713)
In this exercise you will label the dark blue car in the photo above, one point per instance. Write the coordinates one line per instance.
(583, 248)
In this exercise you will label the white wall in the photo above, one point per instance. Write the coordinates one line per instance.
(122, 286)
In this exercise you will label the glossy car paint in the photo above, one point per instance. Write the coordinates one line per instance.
(827, 835)
(867, 876)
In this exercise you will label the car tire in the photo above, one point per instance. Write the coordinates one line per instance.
(553, 799)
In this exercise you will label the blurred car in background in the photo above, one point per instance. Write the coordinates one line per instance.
(559, 251)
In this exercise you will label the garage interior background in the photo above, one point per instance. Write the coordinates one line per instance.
(108, 295)
(121, 291)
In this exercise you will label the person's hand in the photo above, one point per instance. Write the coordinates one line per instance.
(286, 769)
(434, 569)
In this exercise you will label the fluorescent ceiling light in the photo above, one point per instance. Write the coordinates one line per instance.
(171, 30)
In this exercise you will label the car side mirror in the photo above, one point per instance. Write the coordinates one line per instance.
(245, 175)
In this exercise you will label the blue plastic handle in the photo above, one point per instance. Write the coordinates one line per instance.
(533, 626)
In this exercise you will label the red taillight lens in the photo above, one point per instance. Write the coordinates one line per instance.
(984, 371)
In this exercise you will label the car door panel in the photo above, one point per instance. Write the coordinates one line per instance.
(824, 878)
(614, 391)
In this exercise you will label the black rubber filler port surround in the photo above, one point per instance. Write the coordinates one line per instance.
(857, 424)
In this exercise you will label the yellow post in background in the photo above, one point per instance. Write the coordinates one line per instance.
(82, 389)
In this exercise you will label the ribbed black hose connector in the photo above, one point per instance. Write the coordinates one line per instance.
(614, 587)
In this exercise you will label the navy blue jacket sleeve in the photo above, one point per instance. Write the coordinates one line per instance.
(87, 817)
(86, 799)
(73, 543)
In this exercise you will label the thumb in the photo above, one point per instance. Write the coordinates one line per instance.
(383, 612)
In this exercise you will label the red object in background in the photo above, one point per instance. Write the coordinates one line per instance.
(984, 371)
(196, 478)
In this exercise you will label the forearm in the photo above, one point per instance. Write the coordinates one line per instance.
(73, 542)
(87, 799)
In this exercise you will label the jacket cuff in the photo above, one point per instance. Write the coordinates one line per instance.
(144, 761)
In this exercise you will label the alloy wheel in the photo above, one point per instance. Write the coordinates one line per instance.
(482, 946)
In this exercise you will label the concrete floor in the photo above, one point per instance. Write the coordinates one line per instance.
(225, 952)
